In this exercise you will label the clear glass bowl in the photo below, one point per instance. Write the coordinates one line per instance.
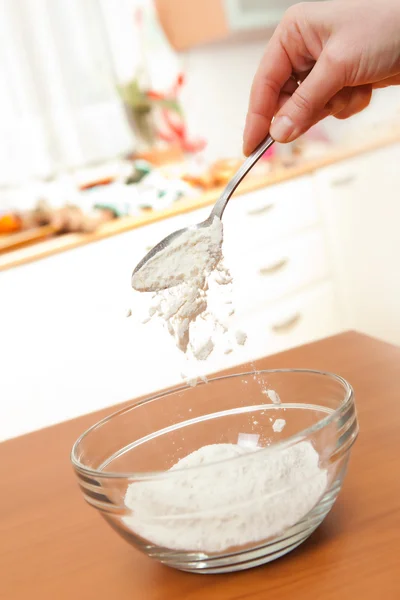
(236, 512)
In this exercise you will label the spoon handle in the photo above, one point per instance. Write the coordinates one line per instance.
(241, 173)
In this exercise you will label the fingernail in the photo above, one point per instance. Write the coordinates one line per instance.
(281, 128)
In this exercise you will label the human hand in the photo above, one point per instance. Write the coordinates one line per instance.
(338, 51)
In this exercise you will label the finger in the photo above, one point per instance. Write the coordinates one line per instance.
(272, 74)
(394, 80)
(359, 99)
(288, 89)
(290, 86)
(308, 101)
(339, 101)
(283, 98)
(335, 106)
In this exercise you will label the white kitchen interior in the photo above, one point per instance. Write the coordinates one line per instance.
(311, 256)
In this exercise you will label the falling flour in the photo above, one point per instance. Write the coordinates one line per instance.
(241, 337)
(272, 395)
(226, 504)
(278, 425)
(180, 277)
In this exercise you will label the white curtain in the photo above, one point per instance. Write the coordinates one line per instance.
(60, 61)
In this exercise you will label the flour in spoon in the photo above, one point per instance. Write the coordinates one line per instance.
(180, 277)
(190, 257)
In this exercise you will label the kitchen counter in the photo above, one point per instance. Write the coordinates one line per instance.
(54, 546)
(74, 240)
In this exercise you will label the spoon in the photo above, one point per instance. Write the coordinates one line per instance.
(219, 206)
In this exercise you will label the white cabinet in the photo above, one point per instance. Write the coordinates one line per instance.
(272, 271)
(303, 317)
(269, 214)
(360, 204)
(66, 346)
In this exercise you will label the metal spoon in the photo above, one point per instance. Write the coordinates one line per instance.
(219, 206)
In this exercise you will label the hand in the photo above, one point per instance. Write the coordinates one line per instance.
(338, 51)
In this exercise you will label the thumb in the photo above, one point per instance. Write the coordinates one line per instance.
(307, 104)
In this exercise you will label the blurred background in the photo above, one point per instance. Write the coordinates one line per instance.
(119, 123)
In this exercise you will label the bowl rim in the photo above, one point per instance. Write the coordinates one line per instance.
(291, 440)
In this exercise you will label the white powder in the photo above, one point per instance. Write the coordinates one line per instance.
(241, 337)
(203, 350)
(272, 395)
(193, 381)
(248, 440)
(193, 254)
(226, 504)
(180, 276)
(278, 425)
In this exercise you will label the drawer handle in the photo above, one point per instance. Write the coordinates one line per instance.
(274, 268)
(343, 180)
(261, 210)
(287, 325)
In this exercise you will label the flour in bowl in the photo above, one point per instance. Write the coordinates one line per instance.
(226, 503)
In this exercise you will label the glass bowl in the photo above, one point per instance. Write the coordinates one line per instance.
(253, 498)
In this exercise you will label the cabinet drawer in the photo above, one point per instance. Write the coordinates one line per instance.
(249, 220)
(269, 213)
(270, 272)
(299, 319)
(262, 216)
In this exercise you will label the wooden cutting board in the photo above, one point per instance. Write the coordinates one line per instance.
(12, 241)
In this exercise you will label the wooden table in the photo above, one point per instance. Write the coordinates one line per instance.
(55, 547)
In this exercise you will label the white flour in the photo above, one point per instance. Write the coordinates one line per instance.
(241, 337)
(226, 504)
(278, 425)
(181, 277)
(190, 256)
(272, 395)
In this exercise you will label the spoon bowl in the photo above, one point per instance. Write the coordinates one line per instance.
(165, 242)
(217, 211)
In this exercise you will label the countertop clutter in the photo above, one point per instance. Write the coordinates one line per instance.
(52, 538)
(106, 227)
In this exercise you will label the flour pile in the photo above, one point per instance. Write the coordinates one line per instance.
(226, 504)
(180, 277)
